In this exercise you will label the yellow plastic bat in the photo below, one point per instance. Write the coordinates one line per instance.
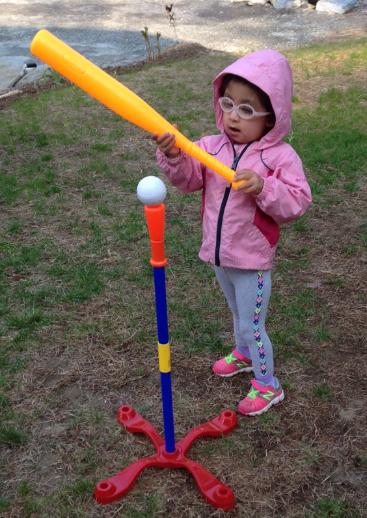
(116, 96)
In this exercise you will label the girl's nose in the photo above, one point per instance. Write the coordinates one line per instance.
(234, 115)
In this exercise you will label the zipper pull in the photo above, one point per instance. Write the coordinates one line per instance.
(235, 162)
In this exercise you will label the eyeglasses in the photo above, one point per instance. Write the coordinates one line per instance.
(245, 111)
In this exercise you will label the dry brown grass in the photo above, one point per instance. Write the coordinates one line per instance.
(306, 450)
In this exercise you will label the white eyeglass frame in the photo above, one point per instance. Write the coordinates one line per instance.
(234, 107)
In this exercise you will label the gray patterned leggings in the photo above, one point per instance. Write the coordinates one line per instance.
(248, 293)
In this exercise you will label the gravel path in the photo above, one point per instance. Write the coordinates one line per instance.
(108, 32)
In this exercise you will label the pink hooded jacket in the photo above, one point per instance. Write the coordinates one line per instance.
(242, 231)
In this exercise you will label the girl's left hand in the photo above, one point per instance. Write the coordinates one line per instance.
(254, 183)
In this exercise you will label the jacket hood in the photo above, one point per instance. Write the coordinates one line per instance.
(270, 71)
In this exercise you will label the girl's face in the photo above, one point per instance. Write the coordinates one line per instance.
(242, 131)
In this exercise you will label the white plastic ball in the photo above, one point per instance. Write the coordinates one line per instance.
(151, 191)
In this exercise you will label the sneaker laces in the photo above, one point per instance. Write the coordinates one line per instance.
(230, 358)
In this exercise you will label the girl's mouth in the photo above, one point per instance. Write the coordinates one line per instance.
(233, 133)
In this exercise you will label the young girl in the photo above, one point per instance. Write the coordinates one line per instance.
(252, 103)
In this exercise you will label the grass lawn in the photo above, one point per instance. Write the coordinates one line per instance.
(77, 315)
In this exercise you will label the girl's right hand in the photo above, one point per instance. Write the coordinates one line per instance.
(166, 143)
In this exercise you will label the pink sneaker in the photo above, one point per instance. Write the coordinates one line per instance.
(232, 364)
(261, 398)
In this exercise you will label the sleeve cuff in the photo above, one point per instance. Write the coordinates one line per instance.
(165, 157)
(265, 190)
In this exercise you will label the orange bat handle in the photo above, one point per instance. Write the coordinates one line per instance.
(116, 96)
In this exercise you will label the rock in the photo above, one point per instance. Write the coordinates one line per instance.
(283, 4)
(329, 6)
(261, 2)
(336, 6)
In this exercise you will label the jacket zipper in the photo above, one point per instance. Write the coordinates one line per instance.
(224, 203)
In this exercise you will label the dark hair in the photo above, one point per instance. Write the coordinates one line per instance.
(263, 97)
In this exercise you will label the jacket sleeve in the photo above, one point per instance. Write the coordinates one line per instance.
(184, 172)
(286, 194)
